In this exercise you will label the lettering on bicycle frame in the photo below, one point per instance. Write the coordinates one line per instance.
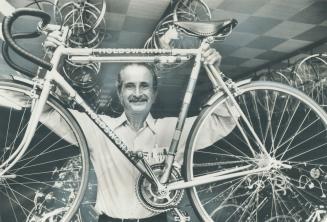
(106, 129)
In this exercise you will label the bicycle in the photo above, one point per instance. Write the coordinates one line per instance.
(313, 70)
(271, 167)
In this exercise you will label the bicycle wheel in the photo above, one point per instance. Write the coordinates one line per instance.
(196, 9)
(287, 77)
(180, 41)
(48, 182)
(85, 20)
(184, 10)
(83, 77)
(298, 138)
(314, 70)
(63, 8)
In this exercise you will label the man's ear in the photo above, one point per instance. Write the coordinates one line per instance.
(118, 90)
(155, 94)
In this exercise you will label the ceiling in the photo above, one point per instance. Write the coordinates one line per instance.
(268, 31)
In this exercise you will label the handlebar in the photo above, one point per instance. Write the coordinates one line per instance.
(7, 34)
(6, 55)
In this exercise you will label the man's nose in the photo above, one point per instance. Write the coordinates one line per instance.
(138, 91)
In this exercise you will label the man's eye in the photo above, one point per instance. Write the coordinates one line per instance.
(129, 86)
(145, 86)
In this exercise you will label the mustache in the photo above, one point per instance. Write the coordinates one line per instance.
(141, 98)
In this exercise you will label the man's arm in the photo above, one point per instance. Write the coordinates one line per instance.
(56, 123)
(218, 125)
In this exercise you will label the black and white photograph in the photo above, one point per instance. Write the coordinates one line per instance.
(163, 111)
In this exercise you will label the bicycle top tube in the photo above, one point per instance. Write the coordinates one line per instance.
(120, 55)
(131, 51)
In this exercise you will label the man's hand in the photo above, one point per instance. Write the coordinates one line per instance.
(53, 40)
(211, 56)
(170, 35)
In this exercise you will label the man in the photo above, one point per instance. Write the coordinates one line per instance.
(137, 90)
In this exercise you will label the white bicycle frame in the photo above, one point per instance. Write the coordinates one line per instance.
(109, 55)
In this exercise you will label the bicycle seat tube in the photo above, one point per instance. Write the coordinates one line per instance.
(183, 113)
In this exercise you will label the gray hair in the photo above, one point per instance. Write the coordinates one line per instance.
(147, 66)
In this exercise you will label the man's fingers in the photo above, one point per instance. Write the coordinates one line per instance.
(49, 45)
(208, 52)
(213, 58)
(205, 47)
(55, 34)
(52, 42)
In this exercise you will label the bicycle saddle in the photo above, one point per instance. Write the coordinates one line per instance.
(205, 29)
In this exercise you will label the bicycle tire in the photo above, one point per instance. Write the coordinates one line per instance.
(297, 139)
(52, 175)
(83, 34)
(62, 8)
(313, 69)
(163, 26)
(197, 9)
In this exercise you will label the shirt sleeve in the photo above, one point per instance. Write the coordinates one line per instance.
(219, 124)
(56, 123)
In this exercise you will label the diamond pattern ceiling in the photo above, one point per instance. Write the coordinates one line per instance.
(267, 31)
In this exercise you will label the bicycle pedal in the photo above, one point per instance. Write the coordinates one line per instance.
(180, 215)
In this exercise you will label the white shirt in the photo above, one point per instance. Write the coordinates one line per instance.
(116, 176)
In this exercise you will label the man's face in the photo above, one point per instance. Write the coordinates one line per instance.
(136, 94)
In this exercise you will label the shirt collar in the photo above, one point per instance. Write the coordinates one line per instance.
(122, 119)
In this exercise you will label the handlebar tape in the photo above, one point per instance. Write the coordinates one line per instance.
(9, 61)
(6, 30)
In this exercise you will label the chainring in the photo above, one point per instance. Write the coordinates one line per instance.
(150, 199)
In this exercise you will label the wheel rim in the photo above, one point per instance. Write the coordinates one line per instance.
(297, 138)
(313, 70)
(51, 175)
(197, 9)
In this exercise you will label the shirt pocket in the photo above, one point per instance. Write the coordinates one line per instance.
(156, 155)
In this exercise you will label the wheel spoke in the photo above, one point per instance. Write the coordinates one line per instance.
(293, 131)
(50, 166)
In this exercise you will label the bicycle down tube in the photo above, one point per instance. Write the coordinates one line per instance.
(112, 56)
